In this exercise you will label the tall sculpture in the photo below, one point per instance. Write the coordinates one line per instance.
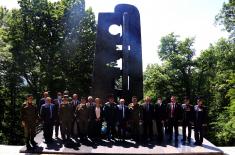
(125, 46)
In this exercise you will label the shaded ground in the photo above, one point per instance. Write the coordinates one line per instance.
(128, 147)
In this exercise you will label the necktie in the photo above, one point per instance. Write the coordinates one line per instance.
(50, 111)
(123, 112)
(172, 110)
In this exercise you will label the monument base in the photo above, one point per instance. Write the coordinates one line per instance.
(127, 147)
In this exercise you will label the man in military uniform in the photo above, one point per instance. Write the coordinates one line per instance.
(160, 115)
(173, 111)
(66, 118)
(200, 119)
(29, 117)
(47, 114)
(82, 114)
(110, 115)
(187, 109)
(136, 118)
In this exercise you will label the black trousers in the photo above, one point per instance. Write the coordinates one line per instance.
(135, 130)
(97, 129)
(74, 122)
(172, 123)
(148, 129)
(186, 124)
(159, 130)
(57, 126)
(122, 128)
(199, 133)
(48, 131)
(111, 129)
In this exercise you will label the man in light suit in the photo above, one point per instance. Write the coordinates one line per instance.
(47, 114)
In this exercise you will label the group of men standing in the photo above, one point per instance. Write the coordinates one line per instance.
(85, 118)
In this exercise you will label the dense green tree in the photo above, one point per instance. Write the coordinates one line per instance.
(43, 46)
(178, 54)
(226, 17)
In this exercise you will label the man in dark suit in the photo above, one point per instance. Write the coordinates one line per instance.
(74, 128)
(47, 114)
(200, 119)
(110, 115)
(160, 115)
(57, 103)
(173, 111)
(187, 110)
(148, 115)
(96, 117)
(123, 113)
(43, 100)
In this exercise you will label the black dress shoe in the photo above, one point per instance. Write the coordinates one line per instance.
(29, 147)
(34, 143)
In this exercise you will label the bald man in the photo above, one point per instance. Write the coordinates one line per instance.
(123, 113)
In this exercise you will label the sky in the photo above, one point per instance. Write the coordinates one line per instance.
(186, 18)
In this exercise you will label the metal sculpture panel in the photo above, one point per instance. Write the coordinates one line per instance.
(125, 45)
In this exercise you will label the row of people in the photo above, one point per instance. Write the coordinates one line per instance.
(86, 118)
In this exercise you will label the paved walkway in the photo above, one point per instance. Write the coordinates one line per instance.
(128, 147)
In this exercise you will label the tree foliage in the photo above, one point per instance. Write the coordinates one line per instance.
(43, 46)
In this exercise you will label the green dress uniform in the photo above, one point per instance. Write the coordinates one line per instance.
(136, 117)
(82, 114)
(29, 115)
(66, 118)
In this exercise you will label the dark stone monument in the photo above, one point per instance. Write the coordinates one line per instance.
(126, 45)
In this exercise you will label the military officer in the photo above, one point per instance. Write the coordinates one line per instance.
(136, 118)
(82, 114)
(29, 117)
(66, 118)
